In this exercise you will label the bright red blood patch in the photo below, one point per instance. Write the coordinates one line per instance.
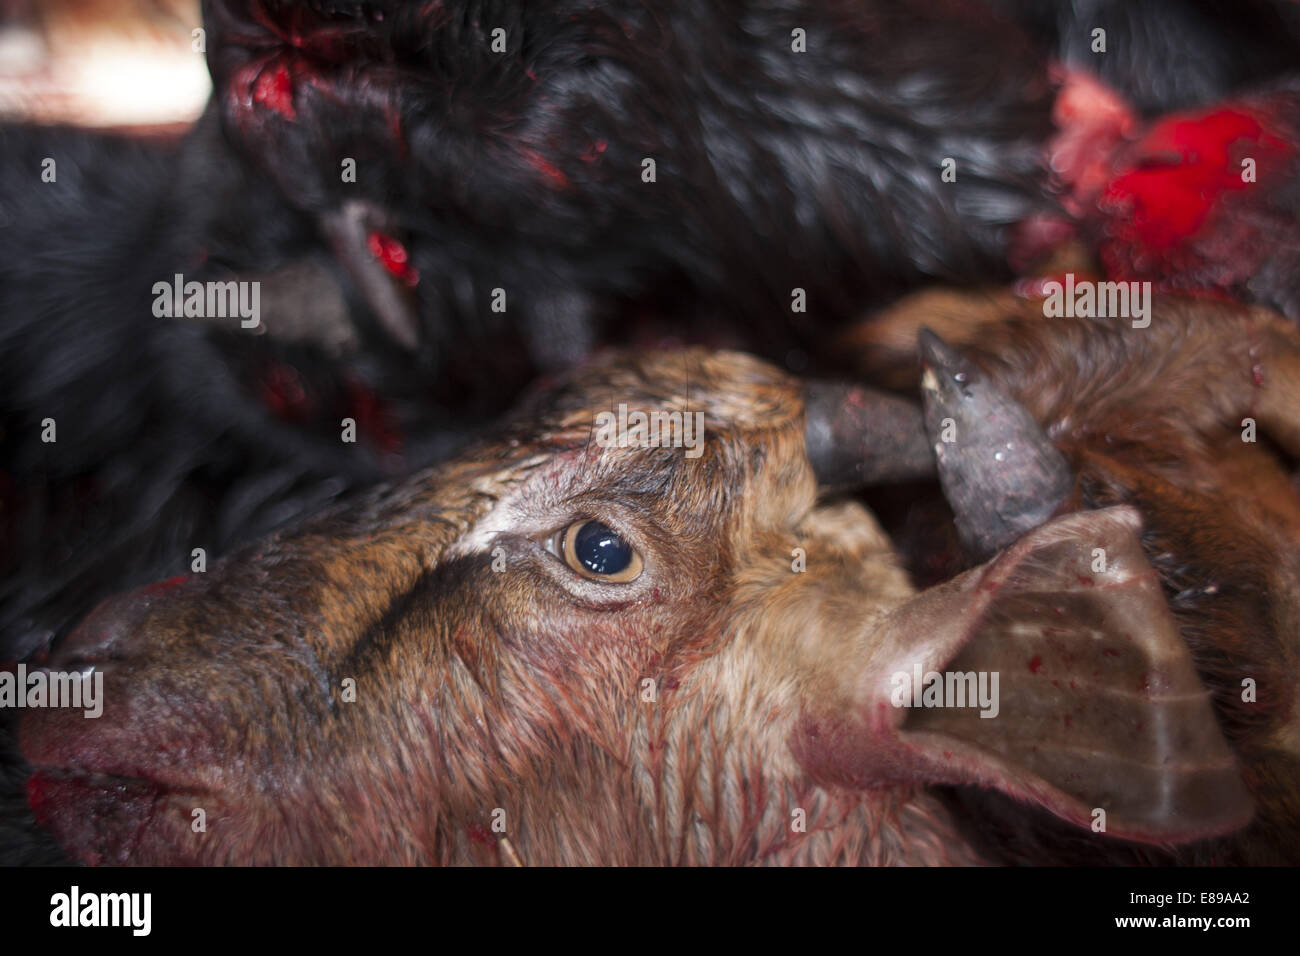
(274, 90)
(392, 255)
(1185, 166)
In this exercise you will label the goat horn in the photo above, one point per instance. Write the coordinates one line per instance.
(1000, 472)
(857, 436)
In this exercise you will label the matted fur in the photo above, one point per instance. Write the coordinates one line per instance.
(518, 690)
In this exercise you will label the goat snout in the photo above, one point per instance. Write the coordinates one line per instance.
(113, 629)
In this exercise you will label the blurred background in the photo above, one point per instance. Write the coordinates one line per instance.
(118, 64)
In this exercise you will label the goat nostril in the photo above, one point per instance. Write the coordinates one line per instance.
(105, 635)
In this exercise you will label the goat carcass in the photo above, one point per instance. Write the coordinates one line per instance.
(582, 646)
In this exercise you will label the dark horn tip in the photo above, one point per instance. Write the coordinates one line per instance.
(1000, 471)
(939, 356)
(932, 347)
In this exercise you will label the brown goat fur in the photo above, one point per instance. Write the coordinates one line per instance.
(517, 689)
(1155, 417)
(501, 712)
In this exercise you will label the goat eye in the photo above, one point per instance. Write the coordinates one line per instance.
(598, 552)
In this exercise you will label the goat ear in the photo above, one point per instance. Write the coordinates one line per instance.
(1096, 705)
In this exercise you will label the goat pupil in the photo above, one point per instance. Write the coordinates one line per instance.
(600, 549)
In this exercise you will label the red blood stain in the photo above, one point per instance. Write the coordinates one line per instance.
(1067, 721)
(1085, 580)
(1184, 166)
(162, 587)
(1110, 652)
(553, 174)
(1035, 663)
(274, 90)
(593, 152)
(392, 255)
(481, 834)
